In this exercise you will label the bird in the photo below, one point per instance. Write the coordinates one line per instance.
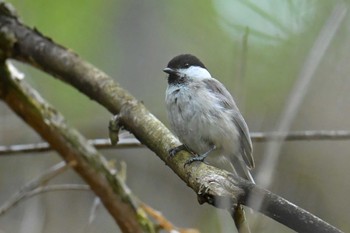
(204, 116)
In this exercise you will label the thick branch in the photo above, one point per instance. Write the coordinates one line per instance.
(73, 148)
(212, 185)
(284, 211)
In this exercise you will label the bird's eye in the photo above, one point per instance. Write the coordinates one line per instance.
(187, 65)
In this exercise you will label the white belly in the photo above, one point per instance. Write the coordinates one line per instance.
(200, 126)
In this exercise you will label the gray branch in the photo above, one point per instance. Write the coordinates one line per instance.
(101, 143)
(131, 142)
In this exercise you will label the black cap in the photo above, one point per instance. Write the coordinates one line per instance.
(184, 61)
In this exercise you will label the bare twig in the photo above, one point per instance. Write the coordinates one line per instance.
(241, 69)
(164, 223)
(101, 143)
(131, 142)
(59, 187)
(96, 203)
(308, 135)
(32, 185)
(240, 219)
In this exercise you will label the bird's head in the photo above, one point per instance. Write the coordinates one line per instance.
(184, 68)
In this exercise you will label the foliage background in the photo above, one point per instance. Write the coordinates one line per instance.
(132, 41)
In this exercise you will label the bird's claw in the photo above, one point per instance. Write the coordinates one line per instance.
(200, 157)
(173, 151)
(194, 159)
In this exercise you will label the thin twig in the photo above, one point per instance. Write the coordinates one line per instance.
(104, 143)
(164, 223)
(101, 143)
(96, 203)
(242, 68)
(308, 135)
(13, 201)
(58, 187)
(33, 184)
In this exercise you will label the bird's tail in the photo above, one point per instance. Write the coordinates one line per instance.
(240, 168)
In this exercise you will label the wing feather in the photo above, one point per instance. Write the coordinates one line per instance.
(227, 101)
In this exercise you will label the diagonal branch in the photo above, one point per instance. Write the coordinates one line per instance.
(74, 149)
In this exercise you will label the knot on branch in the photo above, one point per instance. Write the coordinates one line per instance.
(114, 127)
(219, 190)
(8, 10)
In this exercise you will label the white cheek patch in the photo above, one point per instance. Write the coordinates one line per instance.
(195, 72)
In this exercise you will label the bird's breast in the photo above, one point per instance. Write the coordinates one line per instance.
(197, 119)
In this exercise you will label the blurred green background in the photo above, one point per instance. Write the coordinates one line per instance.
(256, 48)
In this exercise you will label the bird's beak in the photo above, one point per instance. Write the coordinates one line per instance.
(169, 71)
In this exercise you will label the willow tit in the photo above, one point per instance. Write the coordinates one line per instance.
(204, 116)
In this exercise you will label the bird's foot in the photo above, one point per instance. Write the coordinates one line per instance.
(195, 159)
(200, 158)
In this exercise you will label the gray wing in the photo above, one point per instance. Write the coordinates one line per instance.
(247, 148)
(227, 101)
